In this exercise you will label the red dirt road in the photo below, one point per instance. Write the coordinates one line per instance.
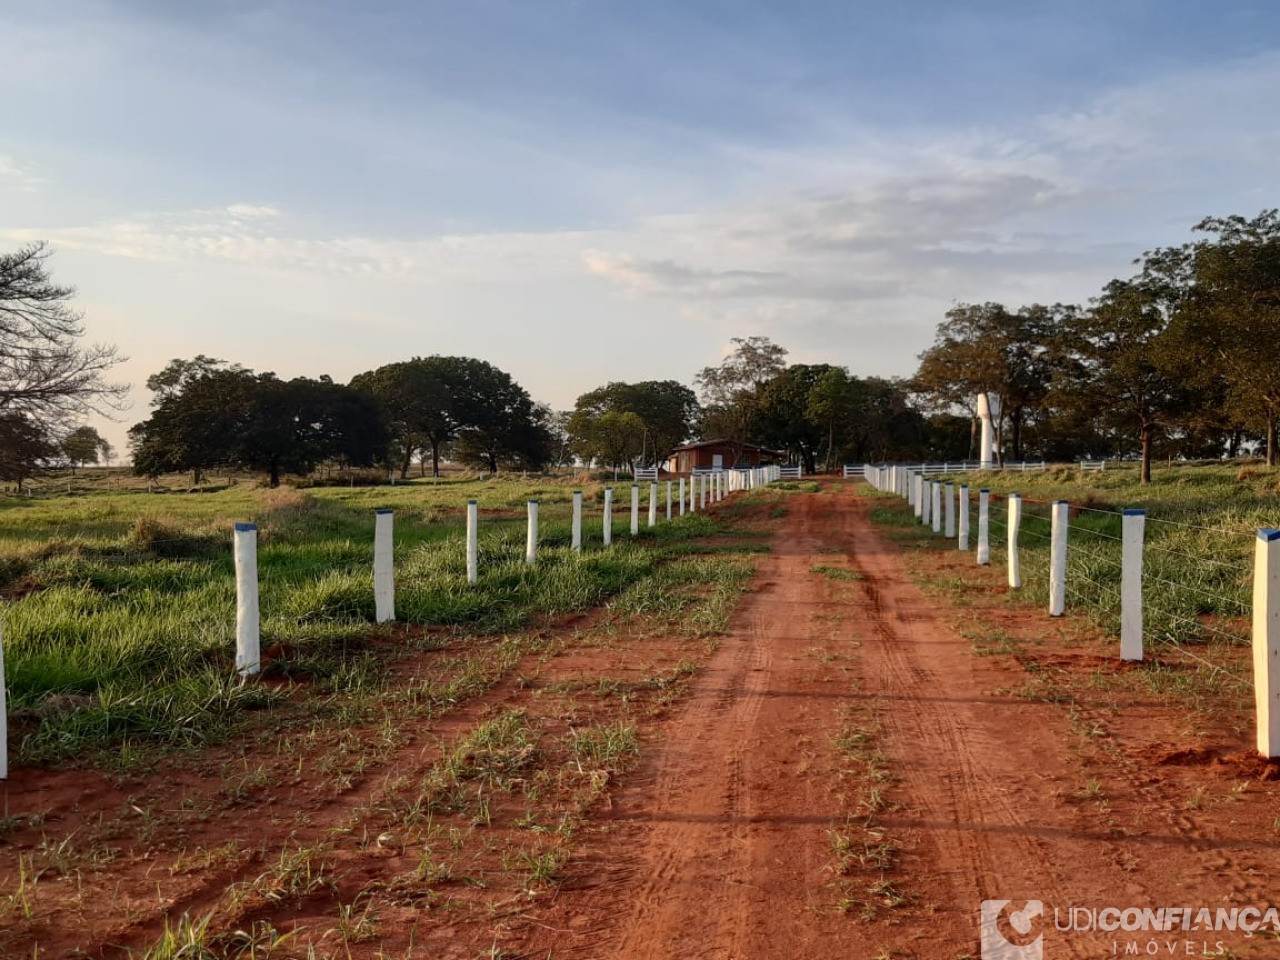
(721, 845)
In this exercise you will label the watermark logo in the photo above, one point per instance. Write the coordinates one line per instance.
(1012, 934)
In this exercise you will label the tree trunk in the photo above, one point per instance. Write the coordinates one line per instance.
(1271, 441)
(275, 475)
(1233, 445)
(1015, 421)
(435, 459)
(1146, 454)
(404, 464)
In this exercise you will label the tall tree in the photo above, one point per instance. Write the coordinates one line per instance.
(1119, 370)
(25, 447)
(732, 391)
(47, 375)
(1226, 294)
(986, 348)
(794, 416)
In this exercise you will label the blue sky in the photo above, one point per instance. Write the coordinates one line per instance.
(585, 190)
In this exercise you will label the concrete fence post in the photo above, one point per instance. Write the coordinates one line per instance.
(919, 495)
(926, 503)
(668, 499)
(951, 511)
(608, 516)
(473, 537)
(384, 577)
(693, 493)
(962, 525)
(682, 496)
(1133, 533)
(575, 525)
(248, 657)
(703, 483)
(531, 536)
(1266, 640)
(984, 526)
(1015, 524)
(635, 509)
(653, 503)
(1058, 559)
(935, 511)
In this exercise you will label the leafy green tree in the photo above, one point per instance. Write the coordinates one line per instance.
(986, 348)
(233, 416)
(1225, 289)
(1118, 368)
(799, 409)
(666, 410)
(732, 391)
(25, 447)
(84, 445)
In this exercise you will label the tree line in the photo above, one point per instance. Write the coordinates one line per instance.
(1179, 360)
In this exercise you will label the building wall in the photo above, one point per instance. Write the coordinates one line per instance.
(703, 458)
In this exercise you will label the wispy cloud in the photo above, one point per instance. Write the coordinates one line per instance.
(15, 173)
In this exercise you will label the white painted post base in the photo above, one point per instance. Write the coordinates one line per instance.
(1058, 560)
(935, 510)
(653, 504)
(984, 526)
(608, 516)
(1015, 524)
(384, 581)
(1133, 531)
(926, 503)
(668, 499)
(950, 530)
(1266, 640)
(575, 525)
(682, 496)
(531, 537)
(962, 525)
(248, 657)
(635, 509)
(473, 538)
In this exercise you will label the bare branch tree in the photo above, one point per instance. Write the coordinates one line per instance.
(46, 374)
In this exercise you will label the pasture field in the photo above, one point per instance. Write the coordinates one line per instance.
(119, 604)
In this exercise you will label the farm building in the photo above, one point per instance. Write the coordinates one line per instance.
(719, 454)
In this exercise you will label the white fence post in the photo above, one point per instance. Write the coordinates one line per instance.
(963, 523)
(384, 578)
(702, 492)
(4, 716)
(668, 499)
(1058, 559)
(918, 486)
(1266, 640)
(635, 509)
(653, 503)
(926, 502)
(608, 516)
(693, 493)
(935, 511)
(531, 537)
(473, 538)
(951, 511)
(1015, 523)
(248, 657)
(682, 496)
(575, 525)
(984, 526)
(1134, 529)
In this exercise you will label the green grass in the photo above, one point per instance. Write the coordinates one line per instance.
(120, 614)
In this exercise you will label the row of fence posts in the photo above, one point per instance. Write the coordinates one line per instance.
(692, 496)
(935, 503)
